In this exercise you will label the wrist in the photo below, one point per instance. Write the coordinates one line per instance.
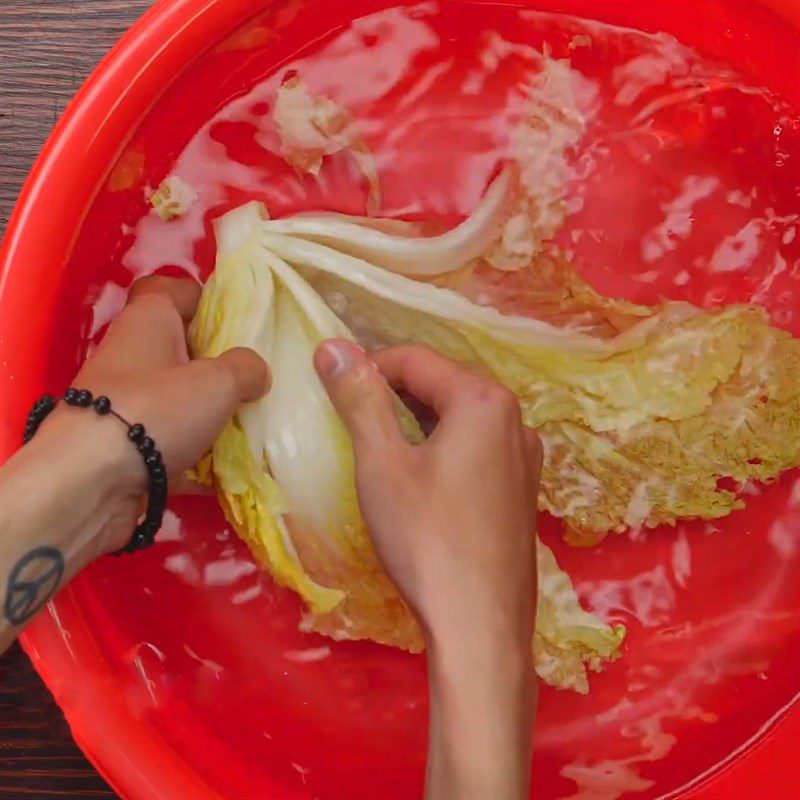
(483, 700)
(478, 623)
(71, 495)
(90, 459)
(496, 659)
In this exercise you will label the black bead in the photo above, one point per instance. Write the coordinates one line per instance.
(146, 445)
(147, 531)
(151, 459)
(157, 473)
(41, 408)
(136, 432)
(71, 396)
(84, 398)
(102, 405)
(138, 541)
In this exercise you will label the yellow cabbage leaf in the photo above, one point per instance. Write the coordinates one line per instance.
(284, 470)
(638, 427)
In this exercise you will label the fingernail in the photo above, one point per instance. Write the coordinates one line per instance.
(336, 356)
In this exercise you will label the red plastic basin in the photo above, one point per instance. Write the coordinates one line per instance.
(176, 690)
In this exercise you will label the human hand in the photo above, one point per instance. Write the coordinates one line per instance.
(77, 488)
(143, 366)
(453, 521)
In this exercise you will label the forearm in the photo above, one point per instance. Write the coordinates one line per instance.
(482, 710)
(61, 507)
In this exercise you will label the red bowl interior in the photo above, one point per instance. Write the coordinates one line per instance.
(175, 689)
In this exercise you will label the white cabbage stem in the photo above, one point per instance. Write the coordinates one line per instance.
(431, 255)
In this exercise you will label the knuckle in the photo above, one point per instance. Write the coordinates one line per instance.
(359, 392)
(154, 302)
(146, 287)
(416, 352)
(500, 398)
(411, 354)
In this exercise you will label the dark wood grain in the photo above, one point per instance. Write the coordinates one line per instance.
(47, 48)
(38, 758)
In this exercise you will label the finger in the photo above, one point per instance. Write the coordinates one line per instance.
(533, 449)
(250, 374)
(360, 395)
(182, 293)
(149, 333)
(200, 398)
(435, 380)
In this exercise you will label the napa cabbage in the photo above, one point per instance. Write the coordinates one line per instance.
(638, 427)
(284, 470)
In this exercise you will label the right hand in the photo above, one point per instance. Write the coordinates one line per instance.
(453, 521)
(453, 518)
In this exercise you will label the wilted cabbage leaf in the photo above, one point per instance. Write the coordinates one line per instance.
(559, 106)
(173, 198)
(568, 639)
(411, 254)
(312, 127)
(285, 474)
(639, 424)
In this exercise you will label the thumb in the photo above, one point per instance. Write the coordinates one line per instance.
(199, 398)
(249, 374)
(359, 394)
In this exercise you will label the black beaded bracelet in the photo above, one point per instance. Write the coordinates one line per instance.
(145, 532)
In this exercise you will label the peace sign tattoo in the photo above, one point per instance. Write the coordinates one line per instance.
(32, 582)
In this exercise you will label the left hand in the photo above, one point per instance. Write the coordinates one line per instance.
(144, 367)
(75, 491)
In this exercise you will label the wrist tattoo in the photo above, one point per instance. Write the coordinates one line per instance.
(33, 580)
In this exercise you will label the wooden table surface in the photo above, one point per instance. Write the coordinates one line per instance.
(47, 48)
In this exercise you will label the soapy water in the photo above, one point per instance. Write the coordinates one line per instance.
(682, 183)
